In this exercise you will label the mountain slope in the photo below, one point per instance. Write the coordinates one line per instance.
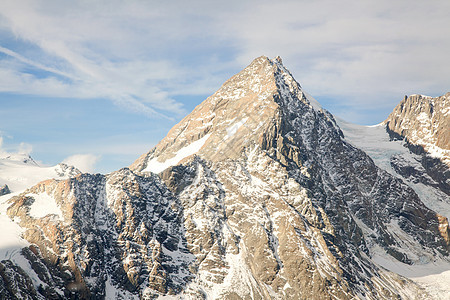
(411, 145)
(17, 173)
(423, 123)
(110, 232)
(258, 196)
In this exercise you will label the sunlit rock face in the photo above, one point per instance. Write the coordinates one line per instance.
(257, 196)
(423, 123)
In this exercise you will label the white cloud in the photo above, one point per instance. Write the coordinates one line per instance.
(2, 152)
(21, 149)
(25, 148)
(357, 50)
(93, 48)
(84, 162)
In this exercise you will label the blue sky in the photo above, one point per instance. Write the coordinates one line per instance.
(98, 83)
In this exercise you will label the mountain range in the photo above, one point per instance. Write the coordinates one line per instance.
(259, 193)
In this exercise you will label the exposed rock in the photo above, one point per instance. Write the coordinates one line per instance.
(15, 283)
(423, 121)
(4, 190)
(120, 230)
(269, 154)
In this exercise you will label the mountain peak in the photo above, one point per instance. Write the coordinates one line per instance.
(21, 158)
(238, 115)
(423, 121)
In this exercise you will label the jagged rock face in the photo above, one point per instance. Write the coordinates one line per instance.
(424, 122)
(15, 283)
(119, 234)
(258, 196)
(235, 117)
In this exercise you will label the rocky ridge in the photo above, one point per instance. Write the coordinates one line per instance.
(423, 123)
(117, 230)
(4, 190)
(258, 196)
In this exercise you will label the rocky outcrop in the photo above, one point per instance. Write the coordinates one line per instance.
(423, 121)
(4, 190)
(15, 283)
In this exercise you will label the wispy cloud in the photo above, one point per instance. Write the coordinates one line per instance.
(356, 50)
(83, 162)
(141, 55)
(22, 148)
(110, 53)
(32, 63)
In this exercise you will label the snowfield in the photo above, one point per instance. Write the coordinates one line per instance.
(432, 275)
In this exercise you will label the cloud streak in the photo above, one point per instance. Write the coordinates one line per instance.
(89, 51)
(142, 55)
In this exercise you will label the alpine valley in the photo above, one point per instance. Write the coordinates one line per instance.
(259, 193)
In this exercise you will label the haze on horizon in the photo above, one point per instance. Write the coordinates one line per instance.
(99, 83)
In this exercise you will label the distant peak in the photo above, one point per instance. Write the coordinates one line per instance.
(266, 60)
(18, 157)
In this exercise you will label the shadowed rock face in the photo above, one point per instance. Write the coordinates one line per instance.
(4, 190)
(258, 196)
(120, 230)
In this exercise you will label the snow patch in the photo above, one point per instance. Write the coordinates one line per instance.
(423, 118)
(111, 292)
(44, 205)
(10, 235)
(434, 277)
(314, 103)
(231, 130)
(20, 175)
(157, 167)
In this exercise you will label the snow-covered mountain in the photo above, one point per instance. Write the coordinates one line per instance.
(413, 144)
(19, 171)
(256, 194)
